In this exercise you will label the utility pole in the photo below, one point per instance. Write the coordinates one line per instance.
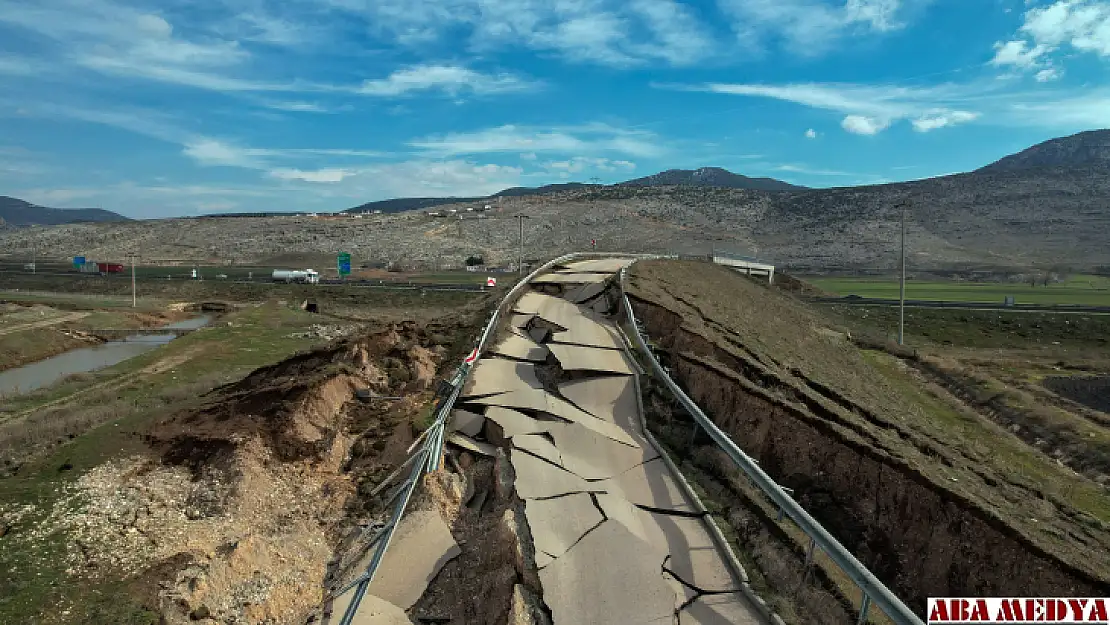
(35, 257)
(902, 283)
(134, 300)
(520, 258)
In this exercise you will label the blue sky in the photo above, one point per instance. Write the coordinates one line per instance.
(169, 108)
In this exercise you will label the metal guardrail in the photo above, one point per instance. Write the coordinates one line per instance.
(428, 457)
(873, 590)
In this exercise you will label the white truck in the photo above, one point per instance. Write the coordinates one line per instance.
(303, 276)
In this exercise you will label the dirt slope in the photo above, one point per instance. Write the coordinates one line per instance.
(936, 501)
(235, 513)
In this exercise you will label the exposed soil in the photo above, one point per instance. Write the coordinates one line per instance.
(1091, 391)
(476, 588)
(772, 556)
(930, 510)
(236, 512)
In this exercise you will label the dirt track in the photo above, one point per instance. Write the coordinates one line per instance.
(44, 323)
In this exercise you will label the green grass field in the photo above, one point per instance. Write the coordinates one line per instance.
(1082, 290)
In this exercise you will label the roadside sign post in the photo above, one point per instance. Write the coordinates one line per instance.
(343, 264)
(134, 299)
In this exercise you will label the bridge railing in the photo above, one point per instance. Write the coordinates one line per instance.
(872, 590)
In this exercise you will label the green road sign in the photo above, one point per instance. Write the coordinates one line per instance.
(343, 262)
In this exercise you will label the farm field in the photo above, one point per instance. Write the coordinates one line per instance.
(1077, 290)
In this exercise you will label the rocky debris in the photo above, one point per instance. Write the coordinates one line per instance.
(237, 512)
(325, 332)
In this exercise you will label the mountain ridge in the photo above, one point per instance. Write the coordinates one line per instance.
(1090, 148)
(17, 212)
(702, 177)
(711, 177)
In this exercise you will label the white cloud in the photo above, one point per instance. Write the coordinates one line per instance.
(568, 139)
(528, 156)
(811, 27)
(1081, 25)
(870, 109)
(319, 175)
(1050, 74)
(212, 152)
(447, 78)
(582, 163)
(940, 118)
(811, 134)
(1018, 53)
(860, 125)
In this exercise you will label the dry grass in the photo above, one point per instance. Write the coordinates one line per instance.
(43, 430)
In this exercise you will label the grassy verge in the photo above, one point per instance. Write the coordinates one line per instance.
(1084, 290)
(977, 328)
(104, 424)
(1020, 464)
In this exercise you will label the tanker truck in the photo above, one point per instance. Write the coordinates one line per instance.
(303, 276)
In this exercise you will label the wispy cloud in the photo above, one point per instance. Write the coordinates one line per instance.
(590, 138)
(618, 33)
(416, 178)
(940, 118)
(212, 152)
(580, 164)
(804, 169)
(450, 79)
(298, 107)
(870, 109)
(18, 66)
(812, 27)
(328, 175)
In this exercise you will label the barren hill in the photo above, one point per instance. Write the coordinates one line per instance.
(1002, 216)
(1084, 149)
(711, 177)
(16, 212)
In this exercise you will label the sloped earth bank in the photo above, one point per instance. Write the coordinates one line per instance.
(933, 508)
(235, 515)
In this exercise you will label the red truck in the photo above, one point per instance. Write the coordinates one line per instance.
(109, 268)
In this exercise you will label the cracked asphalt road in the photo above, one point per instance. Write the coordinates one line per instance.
(616, 539)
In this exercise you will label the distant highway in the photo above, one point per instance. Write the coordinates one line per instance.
(853, 300)
(375, 284)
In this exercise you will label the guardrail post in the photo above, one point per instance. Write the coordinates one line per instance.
(808, 565)
(864, 606)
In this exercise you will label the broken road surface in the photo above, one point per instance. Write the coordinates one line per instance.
(615, 536)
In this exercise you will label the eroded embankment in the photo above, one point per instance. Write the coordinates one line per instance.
(921, 537)
(235, 512)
